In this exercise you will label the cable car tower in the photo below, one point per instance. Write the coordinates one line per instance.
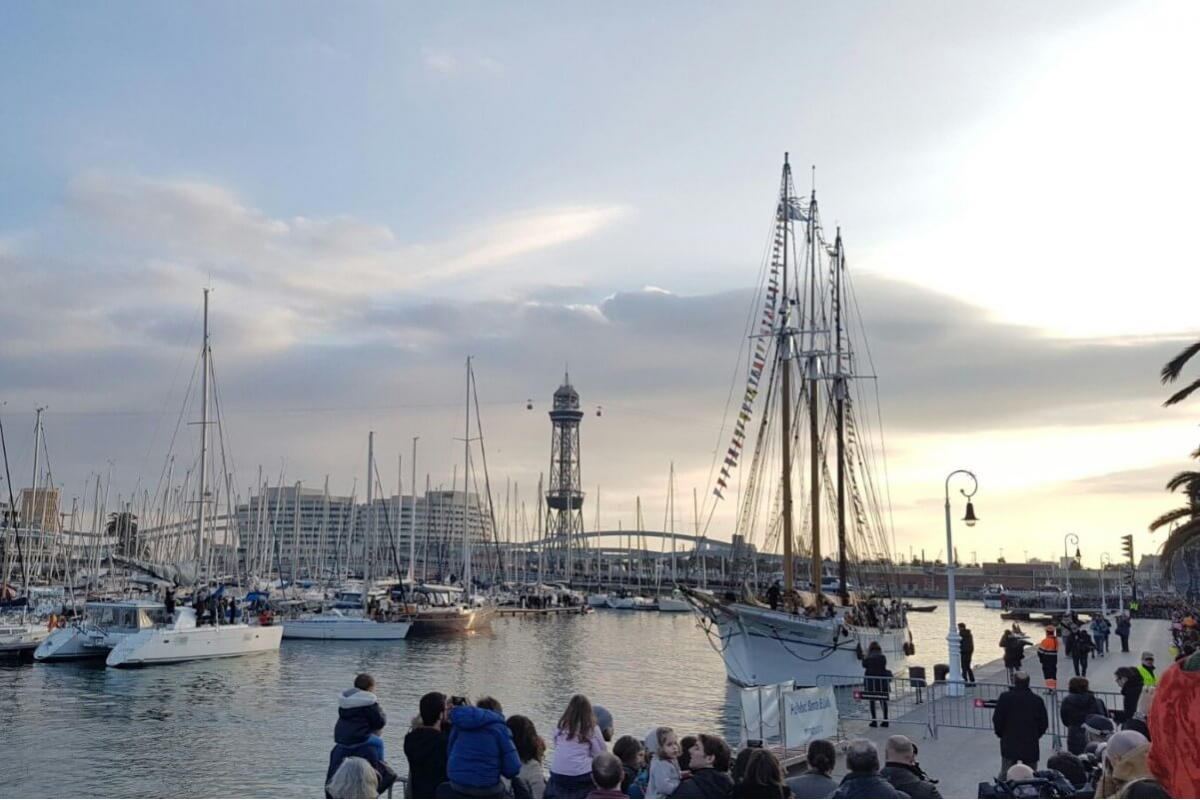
(564, 497)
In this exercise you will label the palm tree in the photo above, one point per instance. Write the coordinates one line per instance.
(1185, 520)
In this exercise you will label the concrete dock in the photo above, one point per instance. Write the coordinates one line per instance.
(960, 758)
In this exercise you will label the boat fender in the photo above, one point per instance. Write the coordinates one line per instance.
(910, 649)
(858, 651)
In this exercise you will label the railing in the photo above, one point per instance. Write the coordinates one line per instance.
(884, 701)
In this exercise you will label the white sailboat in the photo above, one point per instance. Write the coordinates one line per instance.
(807, 638)
(341, 626)
(674, 602)
(21, 637)
(183, 639)
(103, 626)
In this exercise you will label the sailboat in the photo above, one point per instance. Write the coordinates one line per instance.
(674, 602)
(23, 637)
(183, 639)
(336, 624)
(802, 334)
(438, 609)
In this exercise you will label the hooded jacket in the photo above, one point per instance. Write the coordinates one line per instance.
(481, 748)
(359, 715)
(1074, 710)
(1175, 728)
(1128, 767)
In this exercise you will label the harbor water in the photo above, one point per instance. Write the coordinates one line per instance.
(263, 725)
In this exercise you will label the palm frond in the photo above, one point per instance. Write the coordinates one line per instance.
(1183, 393)
(1171, 516)
(1187, 479)
(1180, 538)
(1172, 369)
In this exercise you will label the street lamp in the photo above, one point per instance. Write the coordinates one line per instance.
(954, 687)
(1073, 539)
(1105, 560)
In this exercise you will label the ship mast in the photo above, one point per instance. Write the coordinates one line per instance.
(785, 349)
(839, 394)
(203, 442)
(812, 367)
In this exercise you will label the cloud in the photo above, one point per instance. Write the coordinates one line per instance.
(455, 63)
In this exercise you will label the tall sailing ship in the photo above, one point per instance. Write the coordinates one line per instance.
(801, 375)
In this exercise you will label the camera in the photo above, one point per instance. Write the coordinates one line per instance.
(457, 700)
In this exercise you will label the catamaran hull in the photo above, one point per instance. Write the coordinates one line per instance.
(598, 600)
(345, 630)
(673, 605)
(22, 640)
(73, 644)
(158, 646)
(993, 602)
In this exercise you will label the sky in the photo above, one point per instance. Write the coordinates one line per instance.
(375, 191)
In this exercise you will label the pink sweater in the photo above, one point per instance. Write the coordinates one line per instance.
(573, 757)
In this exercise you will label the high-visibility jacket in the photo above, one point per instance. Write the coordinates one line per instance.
(1148, 678)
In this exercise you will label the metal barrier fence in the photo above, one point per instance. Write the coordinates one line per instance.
(911, 701)
(884, 701)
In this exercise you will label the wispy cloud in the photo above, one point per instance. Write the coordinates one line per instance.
(451, 62)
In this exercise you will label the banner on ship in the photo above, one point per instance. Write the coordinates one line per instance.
(809, 714)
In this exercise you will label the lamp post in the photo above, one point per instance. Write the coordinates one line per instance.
(1073, 539)
(954, 687)
(1105, 560)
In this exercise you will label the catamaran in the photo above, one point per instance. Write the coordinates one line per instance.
(802, 336)
(182, 639)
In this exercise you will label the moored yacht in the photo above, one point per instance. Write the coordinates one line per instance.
(183, 640)
(103, 626)
(435, 609)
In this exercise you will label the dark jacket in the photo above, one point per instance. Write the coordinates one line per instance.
(1081, 645)
(910, 779)
(705, 783)
(754, 790)
(1131, 692)
(866, 784)
(876, 677)
(812, 785)
(425, 749)
(480, 749)
(359, 715)
(1020, 720)
(1014, 652)
(1075, 708)
(1123, 627)
(968, 643)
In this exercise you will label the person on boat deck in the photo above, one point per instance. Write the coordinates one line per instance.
(481, 752)
(234, 611)
(360, 719)
(773, 594)
(169, 602)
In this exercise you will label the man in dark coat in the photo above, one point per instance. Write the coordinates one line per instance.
(863, 778)
(1123, 630)
(709, 762)
(968, 652)
(903, 772)
(1020, 720)
(425, 748)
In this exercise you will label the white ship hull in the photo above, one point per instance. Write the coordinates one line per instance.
(992, 602)
(598, 600)
(345, 629)
(631, 603)
(170, 646)
(74, 643)
(19, 639)
(673, 604)
(761, 647)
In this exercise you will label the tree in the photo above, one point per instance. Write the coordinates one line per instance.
(1185, 520)
(124, 527)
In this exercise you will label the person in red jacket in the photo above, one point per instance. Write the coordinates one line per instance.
(1174, 722)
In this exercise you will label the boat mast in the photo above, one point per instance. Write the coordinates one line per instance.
(839, 394)
(785, 355)
(203, 441)
(814, 401)
(369, 538)
(412, 517)
(466, 577)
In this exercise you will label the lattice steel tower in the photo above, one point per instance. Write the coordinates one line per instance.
(564, 497)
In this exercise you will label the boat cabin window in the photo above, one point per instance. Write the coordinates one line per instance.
(150, 617)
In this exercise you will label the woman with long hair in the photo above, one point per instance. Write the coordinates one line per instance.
(577, 740)
(763, 777)
(531, 749)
